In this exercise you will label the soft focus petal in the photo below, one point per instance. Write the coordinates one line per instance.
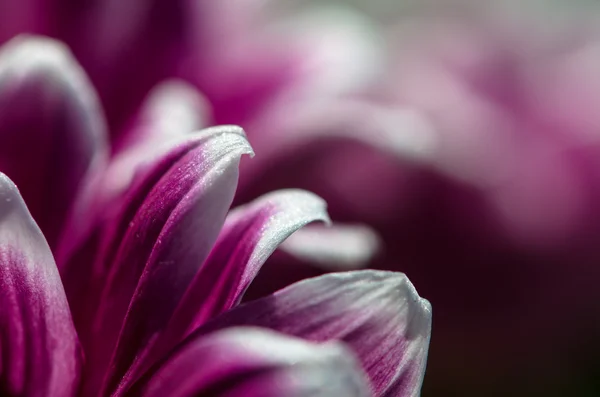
(51, 130)
(248, 362)
(249, 236)
(40, 351)
(166, 241)
(379, 314)
(315, 250)
(338, 247)
(335, 147)
(126, 46)
(172, 108)
(338, 50)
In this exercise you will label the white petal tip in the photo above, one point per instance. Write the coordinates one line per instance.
(232, 131)
(25, 53)
(339, 247)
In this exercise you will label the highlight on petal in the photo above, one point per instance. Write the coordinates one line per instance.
(171, 109)
(337, 247)
(40, 350)
(52, 134)
(378, 313)
(253, 362)
(250, 235)
(168, 230)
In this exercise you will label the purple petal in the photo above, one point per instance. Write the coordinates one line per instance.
(165, 242)
(249, 362)
(40, 350)
(51, 129)
(379, 314)
(126, 43)
(171, 110)
(249, 236)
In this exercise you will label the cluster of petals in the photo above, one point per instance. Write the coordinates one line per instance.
(123, 269)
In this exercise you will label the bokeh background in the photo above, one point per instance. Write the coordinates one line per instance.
(455, 141)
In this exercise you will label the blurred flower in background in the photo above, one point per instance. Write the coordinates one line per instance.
(458, 138)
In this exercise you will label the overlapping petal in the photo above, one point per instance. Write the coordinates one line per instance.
(315, 250)
(167, 239)
(135, 237)
(250, 234)
(52, 134)
(248, 362)
(378, 313)
(40, 350)
(156, 136)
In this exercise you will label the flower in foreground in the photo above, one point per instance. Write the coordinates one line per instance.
(154, 265)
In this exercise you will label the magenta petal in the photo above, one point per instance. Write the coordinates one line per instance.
(126, 43)
(171, 111)
(51, 129)
(165, 243)
(379, 314)
(250, 235)
(40, 350)
(249, 362)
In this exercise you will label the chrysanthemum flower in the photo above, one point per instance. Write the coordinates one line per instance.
(154, 265)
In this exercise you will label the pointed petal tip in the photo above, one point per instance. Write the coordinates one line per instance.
(232, 131)
(7, 186)
(400, 288)
(377, 313)
(11, 202)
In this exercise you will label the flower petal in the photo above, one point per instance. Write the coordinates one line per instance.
(340, 247)
(249, 236)
(316, 144)
(51, 128)
(379, 314)
(166, 241)
(126, 43)
(313, 251)
(252, 362)
(40, 350)
(172, 108)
